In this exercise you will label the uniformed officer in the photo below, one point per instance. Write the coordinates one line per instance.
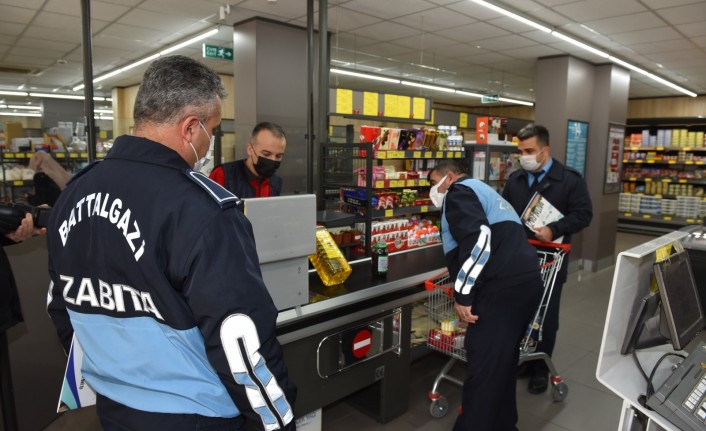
(496, 291)
(254, 176)
(154, 271)
(564, 188)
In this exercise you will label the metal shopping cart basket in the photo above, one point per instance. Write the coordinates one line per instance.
(446, 335)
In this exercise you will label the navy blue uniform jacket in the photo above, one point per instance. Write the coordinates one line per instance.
(484, 243)
(564, 188)
(155, 270)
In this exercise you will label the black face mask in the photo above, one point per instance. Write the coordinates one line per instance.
(266, 167)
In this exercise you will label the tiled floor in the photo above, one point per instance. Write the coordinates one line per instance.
(589, 406)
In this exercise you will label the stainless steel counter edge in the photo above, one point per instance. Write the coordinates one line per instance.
(309, 310)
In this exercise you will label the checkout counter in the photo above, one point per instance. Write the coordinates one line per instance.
(631, 279)
(346, 341)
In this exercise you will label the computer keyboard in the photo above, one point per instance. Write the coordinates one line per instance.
(682, 398)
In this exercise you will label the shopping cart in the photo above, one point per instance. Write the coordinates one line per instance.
(446, 335)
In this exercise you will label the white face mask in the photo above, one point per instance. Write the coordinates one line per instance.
(529, 162)
(200, 163)
(437, 197)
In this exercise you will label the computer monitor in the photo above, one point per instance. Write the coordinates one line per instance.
(680, 299)
(671, 315)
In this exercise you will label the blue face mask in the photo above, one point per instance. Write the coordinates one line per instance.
(200, 163)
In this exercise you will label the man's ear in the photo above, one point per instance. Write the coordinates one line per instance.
(187, 127)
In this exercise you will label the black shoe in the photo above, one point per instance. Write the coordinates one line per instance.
(538, 384)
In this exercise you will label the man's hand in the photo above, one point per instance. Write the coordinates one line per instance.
(26, 230)
(464, 313)
(543, 234)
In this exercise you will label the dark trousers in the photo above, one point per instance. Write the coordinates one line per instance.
(492, 347)
(550, 328)
(118, 417)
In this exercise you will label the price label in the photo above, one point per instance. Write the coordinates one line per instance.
(18, 183)
(60, 155)
(699, 163)
(382, 155)
(411, 183)
(688, 148)
(647, 180)
(439, 154)
(84, 155)
(423, 183)
(688, 162)
(424, 208)
(682, 181)
(660, 148)
(671, 162)
(690, 220)
(667, 218)
(10, 156)
(427, 154)
(379, 184)
(389, 212)
(73, 155)
(646, 216)
(20, 155)
(417, 155)
(628, 214)
(666, 180)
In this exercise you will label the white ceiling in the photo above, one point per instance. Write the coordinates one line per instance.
(446, 42)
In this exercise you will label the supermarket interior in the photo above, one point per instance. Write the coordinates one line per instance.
(351, 233)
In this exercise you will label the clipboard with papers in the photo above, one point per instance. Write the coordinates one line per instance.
(75, 391)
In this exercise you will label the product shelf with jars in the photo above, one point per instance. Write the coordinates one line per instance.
(17, 178)
(663, 176)
(385, 190)
(491, 163)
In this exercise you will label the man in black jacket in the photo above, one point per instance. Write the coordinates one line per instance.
(564, 188)
(254, 176)
(154, 272)
(497, 287)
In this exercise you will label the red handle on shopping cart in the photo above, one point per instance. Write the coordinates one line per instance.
(556, 245)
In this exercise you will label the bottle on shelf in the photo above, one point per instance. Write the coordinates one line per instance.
(380, 259)
(328, 260)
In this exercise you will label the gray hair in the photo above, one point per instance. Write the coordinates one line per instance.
(174, 87)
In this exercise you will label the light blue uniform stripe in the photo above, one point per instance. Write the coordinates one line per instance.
(125, 361)
(495, 207)
(497, 210)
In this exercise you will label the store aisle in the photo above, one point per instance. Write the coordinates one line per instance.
(589, 405)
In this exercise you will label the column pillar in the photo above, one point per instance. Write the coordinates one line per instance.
(270, 81)
(572, 89)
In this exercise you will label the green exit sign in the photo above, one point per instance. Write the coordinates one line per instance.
(213, 51)
(490, 98)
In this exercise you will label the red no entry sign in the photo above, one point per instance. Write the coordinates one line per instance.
(362, 342)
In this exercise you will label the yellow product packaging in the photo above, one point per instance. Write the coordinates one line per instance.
(328, 260)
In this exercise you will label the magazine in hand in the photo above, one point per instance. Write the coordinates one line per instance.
(75, 392)
(540, 212)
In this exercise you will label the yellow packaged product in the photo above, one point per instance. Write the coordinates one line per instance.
(328, 260)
